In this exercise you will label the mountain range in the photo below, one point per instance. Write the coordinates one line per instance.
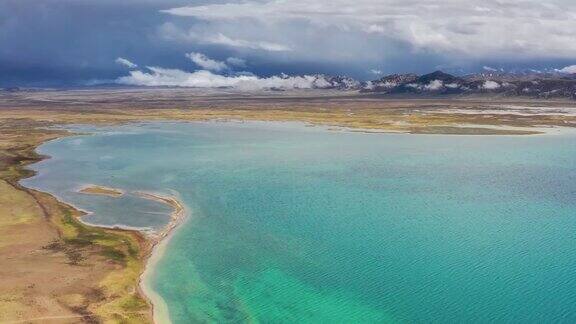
(535, 85)
(548, 85)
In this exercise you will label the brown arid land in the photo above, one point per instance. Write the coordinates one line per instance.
(55, 269)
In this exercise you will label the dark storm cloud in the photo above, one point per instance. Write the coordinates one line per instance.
(63, 41)
(54, 42)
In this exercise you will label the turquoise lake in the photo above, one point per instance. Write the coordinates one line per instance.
(296, 224)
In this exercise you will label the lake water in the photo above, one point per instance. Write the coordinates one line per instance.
(295, 224)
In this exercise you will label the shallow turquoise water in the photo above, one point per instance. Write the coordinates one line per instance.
(296, 224)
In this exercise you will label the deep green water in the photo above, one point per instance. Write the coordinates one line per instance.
(292, 224)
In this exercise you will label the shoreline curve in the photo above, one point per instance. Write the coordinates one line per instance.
(153, 249)
(159, 242)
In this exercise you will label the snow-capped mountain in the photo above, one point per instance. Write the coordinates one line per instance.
(538, 85)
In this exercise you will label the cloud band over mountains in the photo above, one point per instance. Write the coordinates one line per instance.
(208, 78)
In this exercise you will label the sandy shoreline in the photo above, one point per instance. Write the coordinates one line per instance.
(159, 243)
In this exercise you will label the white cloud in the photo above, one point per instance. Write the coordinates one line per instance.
(434, 85)
(375, 29)
(236, 61)
(171, 32)
(126, 63)
(222, 39)
(568, 69)
(522, 29)
(490, 85)
(156, 76)
(376, 72)
(388, 84)
(489, 69)
(206, 63)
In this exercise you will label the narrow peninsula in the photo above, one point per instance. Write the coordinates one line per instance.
(102, 191)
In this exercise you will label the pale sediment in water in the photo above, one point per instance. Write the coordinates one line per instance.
(176, 217)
